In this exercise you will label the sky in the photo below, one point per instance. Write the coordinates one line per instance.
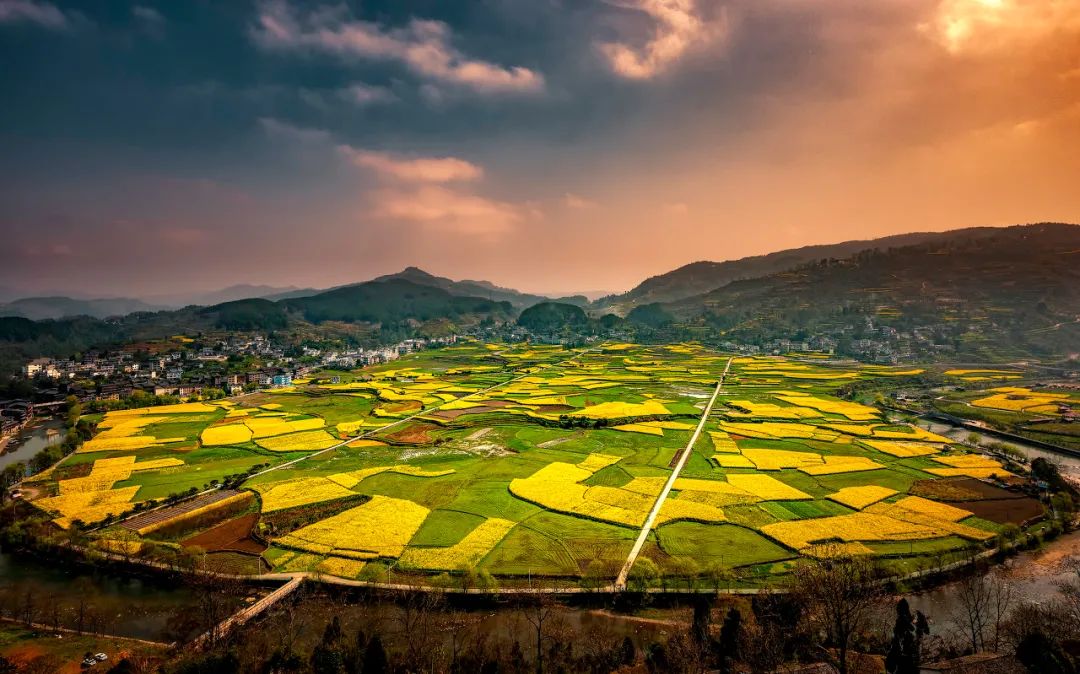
(547, 145)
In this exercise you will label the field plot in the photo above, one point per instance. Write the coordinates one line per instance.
(540, 461)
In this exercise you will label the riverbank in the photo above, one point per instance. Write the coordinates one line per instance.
(40, 433)
(37, 648)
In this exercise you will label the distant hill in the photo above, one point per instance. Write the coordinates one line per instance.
(397, 306)
(1015, 289)
(484, 289)
(243, 291)
(701, 277)
(393, 299)
(552, 317)
(41, 308)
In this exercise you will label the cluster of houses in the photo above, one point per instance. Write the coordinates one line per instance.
(14, 414)
(343, 360)
(183, 371)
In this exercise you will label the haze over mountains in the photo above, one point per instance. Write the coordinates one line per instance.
(1022, 282)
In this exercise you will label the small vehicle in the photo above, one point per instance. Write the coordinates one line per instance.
(89, 662)
(100, 657)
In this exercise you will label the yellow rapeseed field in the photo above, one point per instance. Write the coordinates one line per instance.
(778, 459)
(940, 511)
(969, 465)
(617, 410)
(910, 433)
(860, 497)
(771, 430)
(917, 516)
(228, 434)
(968, 461)
(556, 487)
(639, 428)
(765, 487)
(307, 441)
(853, 411)
(90, 507)
(107, 472)
(264, 427)
(596, 462)
(299, 491)
(467, 552)
(901, 448)
(732, 461)
(131, 443)
(841, 464)
(341, 567)
(862, 526)
(353, 478)
(179, 408)
(723, 443)
(833, 550)
(119, 546)
(1019, 399)
(382, 527)
(771, 410)
(686, 509)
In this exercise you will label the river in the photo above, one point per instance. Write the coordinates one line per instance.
(32, 440)
(1035, 576)
(125, 604)
(1067, 463)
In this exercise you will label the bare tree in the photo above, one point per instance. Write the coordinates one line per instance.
(28, 609)
(841, 595)
(1070, 589)
(53, 612)
(1001, 603)
(981, 610)
(415, 618)
(457, 625)
(540, 610)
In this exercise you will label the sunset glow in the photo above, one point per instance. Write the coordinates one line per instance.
(658, 131)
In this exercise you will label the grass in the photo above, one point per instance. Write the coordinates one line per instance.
(725, 544)
(445, 527)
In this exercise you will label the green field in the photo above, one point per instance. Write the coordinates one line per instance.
(540, 461)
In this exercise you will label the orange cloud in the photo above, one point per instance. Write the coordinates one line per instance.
(420, 169)
(980, 26)
(451, 210)
(678, 26)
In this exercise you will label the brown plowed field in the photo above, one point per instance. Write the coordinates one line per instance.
(231, 536)
(1005, 510)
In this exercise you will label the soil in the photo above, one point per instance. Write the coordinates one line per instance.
(232, 536)
(964, 489)
(416, 434)
(479, 434)
(489, 406)
(404, 406)
(173, 512)
(1003, 511)
(552, 409)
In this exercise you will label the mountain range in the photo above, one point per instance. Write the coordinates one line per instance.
(41, 308)
(1021, 283)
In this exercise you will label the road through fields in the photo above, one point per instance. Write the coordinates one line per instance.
(620, 582)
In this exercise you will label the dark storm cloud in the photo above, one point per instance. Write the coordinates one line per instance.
(254, 138)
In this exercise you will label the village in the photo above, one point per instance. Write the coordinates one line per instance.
(229, 366)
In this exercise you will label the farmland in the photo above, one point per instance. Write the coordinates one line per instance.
(526, 461)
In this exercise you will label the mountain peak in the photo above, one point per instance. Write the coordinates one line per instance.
(414, 271)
